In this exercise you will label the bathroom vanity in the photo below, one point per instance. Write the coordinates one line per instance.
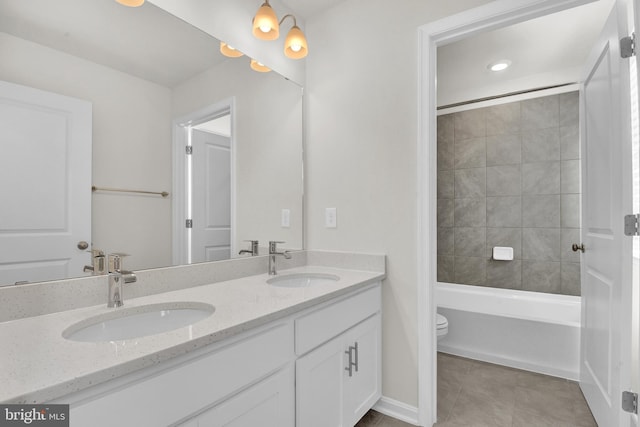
(270, 354)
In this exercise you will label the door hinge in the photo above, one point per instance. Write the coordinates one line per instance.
(631, 225)
(189, 223)
(188, 149)
(628, 46)
(630, 402)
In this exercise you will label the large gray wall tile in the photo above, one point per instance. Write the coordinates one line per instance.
(445, 128)
(470, 153)
(445, 212)
(540, 145)
(445, 269)
(541, 113)
(445, 241)
(541, 244)
(504, 211)
(471, 271)
(470, 241)
(570, 211)
(503, 180)
(509, 237)
(470, 213)
(445, 142)
(570, 176)
(470, 124)
(569, 142)
(570, 278)
(541, 211)
(503, 118)
(504, 149)
(470, 183)
(445, 184)
(504, 274)
(569, 108)
(541, 276)
(541, 178)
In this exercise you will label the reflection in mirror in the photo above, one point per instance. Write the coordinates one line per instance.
(137, 84)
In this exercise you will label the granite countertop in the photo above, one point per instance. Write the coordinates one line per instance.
(39, 365)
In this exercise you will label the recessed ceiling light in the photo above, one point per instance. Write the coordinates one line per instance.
(503, 64)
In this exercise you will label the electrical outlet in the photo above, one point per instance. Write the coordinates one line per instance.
(330, 218)
(285, 218)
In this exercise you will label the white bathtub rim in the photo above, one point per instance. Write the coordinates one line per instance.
(567, 308)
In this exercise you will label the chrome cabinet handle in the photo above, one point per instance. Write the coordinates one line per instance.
(352, 349)
(349, 367)
(575, 247)
(356, 351)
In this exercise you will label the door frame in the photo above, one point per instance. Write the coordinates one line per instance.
(496, 14)
(181, 239)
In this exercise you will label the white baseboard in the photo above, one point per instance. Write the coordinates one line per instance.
(398, 410)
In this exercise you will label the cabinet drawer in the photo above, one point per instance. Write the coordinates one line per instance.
(190, 387)
(330, 321)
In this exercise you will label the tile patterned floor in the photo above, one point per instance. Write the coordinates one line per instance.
(478, 394)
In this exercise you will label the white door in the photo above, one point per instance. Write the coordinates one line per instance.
(211, 197)
(45, 184)
(606, 183)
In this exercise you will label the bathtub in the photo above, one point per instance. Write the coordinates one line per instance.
(527, 330)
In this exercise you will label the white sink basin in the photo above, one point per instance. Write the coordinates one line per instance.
(302, 280)
(136, 322)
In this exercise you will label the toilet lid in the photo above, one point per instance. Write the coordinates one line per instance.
(441, 321)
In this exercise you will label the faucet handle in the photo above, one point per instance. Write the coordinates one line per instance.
(273, 245)
(115, 262)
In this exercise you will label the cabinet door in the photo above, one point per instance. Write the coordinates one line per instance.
(319, 386)
(270, 403)
(363, 388)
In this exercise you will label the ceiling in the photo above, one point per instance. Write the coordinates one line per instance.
(547, 51)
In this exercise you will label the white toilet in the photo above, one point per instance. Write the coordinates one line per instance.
(442, 326)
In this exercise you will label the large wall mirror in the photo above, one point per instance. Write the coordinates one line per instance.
(95, 94)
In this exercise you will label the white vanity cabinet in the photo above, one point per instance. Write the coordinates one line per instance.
(318, 367)
(339, 381)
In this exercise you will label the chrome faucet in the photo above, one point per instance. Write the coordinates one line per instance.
(118, 276)
(254, 248)
(97, 266)
(273, 251)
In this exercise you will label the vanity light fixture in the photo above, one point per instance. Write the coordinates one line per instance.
(295, 45)
(503, 64)
(267, 27)
(265, 23)
(131, 3)
(229, 51)
(259, 67)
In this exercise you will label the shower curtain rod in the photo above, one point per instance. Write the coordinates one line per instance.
(490, 98)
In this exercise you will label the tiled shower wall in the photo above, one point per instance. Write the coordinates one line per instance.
(509, 175)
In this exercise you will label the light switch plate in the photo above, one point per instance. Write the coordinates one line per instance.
(285, 220)
(330, 218)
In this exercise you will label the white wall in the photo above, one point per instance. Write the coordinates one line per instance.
(268, 140)
(131, 145)
(361, 92)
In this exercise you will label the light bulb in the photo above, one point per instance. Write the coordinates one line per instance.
(295, 47)
(265, 29)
